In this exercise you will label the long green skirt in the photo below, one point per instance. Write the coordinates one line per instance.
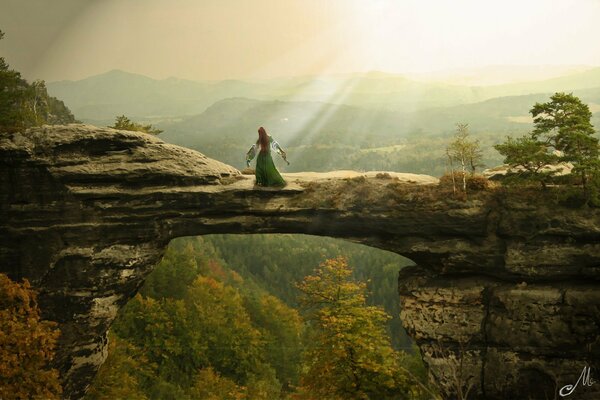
(266, 172)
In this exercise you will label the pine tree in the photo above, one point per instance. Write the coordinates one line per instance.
(562, 132)
(564, 124)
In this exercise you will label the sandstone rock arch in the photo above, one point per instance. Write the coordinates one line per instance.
(508, 285)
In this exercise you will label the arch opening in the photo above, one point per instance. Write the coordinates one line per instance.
(252, 280)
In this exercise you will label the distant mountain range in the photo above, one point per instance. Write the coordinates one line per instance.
(102, 97)
(300, 123)
(323, 136)
(499, 74)
(371, 121)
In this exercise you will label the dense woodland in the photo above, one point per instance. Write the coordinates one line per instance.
(229, 319)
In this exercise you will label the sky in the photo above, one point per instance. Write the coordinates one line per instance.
(261, 39)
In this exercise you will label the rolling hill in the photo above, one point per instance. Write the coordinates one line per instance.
(369, 121)
(100, 98)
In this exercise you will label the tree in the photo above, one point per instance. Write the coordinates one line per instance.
(281, 328)
(529, 154)
(223, 331)
(349, 353)
(465, 151)
(562, 133)
(564, 124)
(124, 123)
(23, 105)
(208, 327)
(26, 345)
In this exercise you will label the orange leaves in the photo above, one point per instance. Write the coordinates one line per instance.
(26, 345)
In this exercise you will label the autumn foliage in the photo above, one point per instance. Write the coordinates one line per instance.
(26, 345)
(350, 355)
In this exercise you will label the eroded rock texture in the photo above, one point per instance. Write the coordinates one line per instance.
(504, 297)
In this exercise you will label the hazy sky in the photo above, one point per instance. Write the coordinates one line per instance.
(220, 39)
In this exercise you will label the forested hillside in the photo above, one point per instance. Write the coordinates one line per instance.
(220, 316)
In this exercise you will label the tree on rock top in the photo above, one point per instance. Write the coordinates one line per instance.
(563, 132)
(564, 124)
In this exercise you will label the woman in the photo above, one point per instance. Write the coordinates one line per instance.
(266, 172)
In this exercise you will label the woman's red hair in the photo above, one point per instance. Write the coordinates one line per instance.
(263, 139)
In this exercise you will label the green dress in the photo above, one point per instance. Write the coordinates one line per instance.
(266, 172)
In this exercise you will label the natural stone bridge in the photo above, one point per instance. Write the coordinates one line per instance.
(508, 286)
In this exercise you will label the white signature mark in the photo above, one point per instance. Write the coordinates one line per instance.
(585, 379)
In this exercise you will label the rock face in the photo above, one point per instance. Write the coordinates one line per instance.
(504, 298)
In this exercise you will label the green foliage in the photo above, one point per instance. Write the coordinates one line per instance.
(563, 133)
(200, 335)
(281, 328)
(290, 258)
(565, 124)
(23, 105)
(124, 123)
(349, 354)
(27, 345)
(177, 270)
(122, 374)
(223, 329)
(199, 329)
(562, 122)
(210, 385)
(463, 153)
(529, 155)
(464, 150)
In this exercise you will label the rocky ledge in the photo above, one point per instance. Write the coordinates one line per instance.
(503, 302)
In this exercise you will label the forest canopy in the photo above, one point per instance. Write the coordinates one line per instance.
(203, 327)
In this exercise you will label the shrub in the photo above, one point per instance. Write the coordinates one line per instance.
(383, 175)
(475, 182)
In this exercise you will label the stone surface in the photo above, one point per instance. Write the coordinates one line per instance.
(502, 171)
(504, 297)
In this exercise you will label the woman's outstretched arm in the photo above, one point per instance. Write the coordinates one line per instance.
(279, 150)
(250, 154)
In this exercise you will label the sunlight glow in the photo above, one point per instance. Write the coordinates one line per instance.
(263, 39)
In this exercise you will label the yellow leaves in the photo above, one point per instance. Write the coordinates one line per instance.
(350, 354)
